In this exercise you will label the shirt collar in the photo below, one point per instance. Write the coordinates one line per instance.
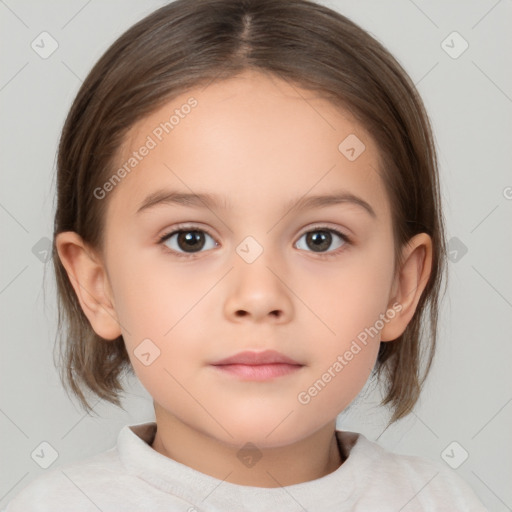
(208, 493)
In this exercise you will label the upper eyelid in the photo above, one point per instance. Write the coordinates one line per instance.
(192, 227)
(185, 227)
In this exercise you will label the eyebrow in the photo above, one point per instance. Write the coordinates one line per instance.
(212, 202)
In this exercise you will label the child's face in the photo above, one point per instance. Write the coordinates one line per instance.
(257, 145)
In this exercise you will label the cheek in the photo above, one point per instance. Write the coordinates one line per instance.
(354, 294)
(338, 377)
(158, 307)
(152, 295)
(359, 296)
(333, 386)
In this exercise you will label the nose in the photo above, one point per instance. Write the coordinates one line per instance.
(257, 291)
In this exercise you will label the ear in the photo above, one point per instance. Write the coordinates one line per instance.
(90, 282)
(408, 285)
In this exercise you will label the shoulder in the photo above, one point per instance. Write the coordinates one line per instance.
(413, 482)
(74, 486)
(99, 482)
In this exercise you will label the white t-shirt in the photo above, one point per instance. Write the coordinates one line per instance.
(133, 477)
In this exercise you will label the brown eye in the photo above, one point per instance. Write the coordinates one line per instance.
(188, 241)
(320, 240)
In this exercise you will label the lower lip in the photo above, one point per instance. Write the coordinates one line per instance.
(258, 372)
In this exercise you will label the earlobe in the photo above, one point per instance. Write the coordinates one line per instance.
(409, 284)
(90, 282)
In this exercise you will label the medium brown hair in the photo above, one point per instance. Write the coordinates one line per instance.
(189, 43)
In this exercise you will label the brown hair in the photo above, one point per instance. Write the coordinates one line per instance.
(188, 43)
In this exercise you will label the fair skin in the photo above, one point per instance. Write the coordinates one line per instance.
(258, 143)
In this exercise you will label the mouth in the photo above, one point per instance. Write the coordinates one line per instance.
(258, 366)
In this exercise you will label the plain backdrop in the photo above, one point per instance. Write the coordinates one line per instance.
(465, 414)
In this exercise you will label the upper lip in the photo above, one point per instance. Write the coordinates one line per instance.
(250, 357)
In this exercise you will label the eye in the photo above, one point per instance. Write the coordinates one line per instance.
(321, 238)
(187, 241)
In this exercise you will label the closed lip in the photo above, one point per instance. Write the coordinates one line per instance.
(253, 358)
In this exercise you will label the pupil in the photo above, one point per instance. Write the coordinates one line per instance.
(321, 242)
(318, 240)
(190, 240)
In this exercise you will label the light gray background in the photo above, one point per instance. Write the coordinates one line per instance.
(469, 99)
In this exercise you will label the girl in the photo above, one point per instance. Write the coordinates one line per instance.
(248, 220)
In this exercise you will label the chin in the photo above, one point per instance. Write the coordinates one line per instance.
(265, 433)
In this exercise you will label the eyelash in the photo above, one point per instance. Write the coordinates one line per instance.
(185, 228)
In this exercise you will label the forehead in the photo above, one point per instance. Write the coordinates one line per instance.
(249, 136)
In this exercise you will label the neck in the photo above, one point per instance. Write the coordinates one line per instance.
(307, 459)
